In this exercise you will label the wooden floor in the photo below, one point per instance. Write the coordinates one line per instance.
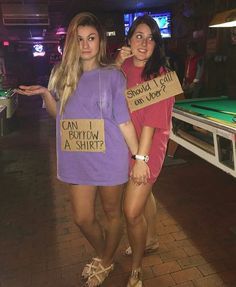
(41, 247)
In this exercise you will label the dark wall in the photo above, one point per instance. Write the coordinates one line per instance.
(190, 21)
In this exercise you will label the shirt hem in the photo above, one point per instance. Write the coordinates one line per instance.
(93, 183)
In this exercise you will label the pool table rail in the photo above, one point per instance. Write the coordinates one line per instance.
(212, 140)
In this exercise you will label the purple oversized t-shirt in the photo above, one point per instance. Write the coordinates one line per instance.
(100, 93)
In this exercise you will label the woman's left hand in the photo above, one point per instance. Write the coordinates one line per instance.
(124, 53)
(140, 172)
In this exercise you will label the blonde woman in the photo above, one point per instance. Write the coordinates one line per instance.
(87, 88)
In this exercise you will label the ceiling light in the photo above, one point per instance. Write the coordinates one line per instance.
(61, 31)
(224, 19)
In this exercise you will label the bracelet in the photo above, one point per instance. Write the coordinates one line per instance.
(145, 158)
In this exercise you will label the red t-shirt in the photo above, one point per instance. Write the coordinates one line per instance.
(157, 116)
(191, 69)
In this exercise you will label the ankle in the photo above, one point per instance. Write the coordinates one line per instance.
(106, 263)
(136, 272)
(135, 278)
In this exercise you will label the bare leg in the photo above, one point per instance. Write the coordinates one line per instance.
(111, 200)
(171, 149)
(83, 206)
(150, 214)
(136, 197)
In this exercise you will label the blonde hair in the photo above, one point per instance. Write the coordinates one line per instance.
(65, 76)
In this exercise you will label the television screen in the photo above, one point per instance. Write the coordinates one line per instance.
(163, 20)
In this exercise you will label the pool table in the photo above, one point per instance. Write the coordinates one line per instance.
(9, 99)
(3, 117)
(207, 127)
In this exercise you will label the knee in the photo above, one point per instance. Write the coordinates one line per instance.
(112, 212)
(132, 217)
(83, 220)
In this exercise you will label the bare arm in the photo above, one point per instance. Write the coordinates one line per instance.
(129, 134)
(146, 140)
(49, 100)
(140, 171)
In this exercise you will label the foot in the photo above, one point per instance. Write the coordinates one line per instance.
(99, 275)
(135, 279)
(150, 248)
(90, 268)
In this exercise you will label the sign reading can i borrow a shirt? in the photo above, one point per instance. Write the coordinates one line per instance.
(153, 91)
(84, 135)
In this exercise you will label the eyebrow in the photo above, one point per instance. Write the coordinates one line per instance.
(92, 34)
(142, 33)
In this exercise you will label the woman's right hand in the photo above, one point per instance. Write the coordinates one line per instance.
(124, 53)
(140, 172)
(50, 102)
(32, 90)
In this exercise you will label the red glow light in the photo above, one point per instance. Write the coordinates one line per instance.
(6, 43)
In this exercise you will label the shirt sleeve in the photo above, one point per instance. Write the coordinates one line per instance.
(158, 115)
(120, 108)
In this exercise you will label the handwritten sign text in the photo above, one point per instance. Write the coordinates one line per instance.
(84, 135)
(153, 91)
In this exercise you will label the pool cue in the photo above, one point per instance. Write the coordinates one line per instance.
(213, 109)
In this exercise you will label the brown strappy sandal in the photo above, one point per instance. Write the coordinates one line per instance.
(100, 274)
(135, 279)
(90, 268)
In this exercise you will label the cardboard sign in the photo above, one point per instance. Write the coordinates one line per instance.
(153, 91)
(83, 135)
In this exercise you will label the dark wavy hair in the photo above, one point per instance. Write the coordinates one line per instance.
(157, 59)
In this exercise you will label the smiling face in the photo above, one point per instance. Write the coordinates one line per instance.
(89, 41)
(142, 44)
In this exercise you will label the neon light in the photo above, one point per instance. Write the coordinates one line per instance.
(6, 43)
(38, 50)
